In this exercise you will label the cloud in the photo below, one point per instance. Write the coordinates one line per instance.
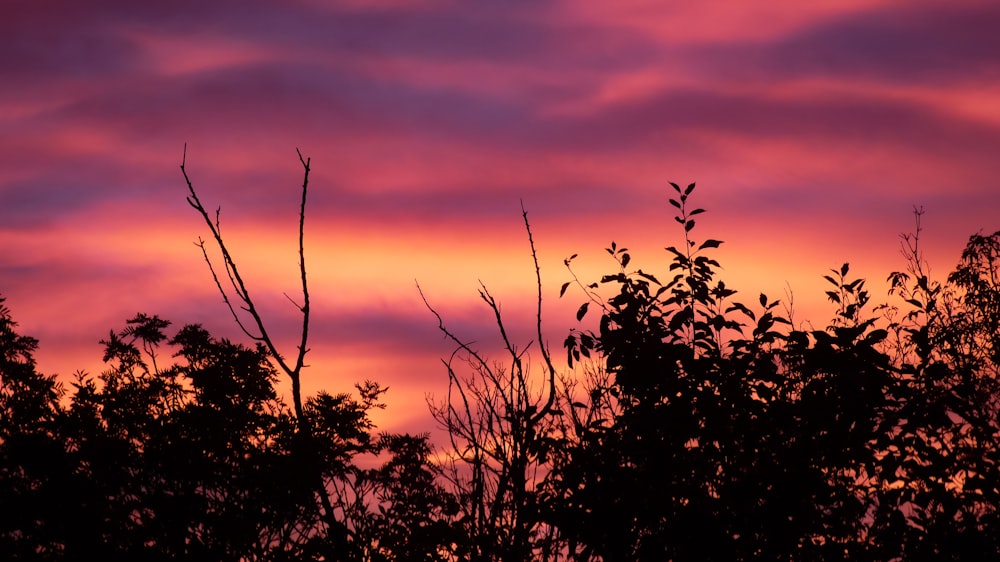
(810, 129)
(919, 43)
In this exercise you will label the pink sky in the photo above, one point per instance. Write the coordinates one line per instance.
(812, 129)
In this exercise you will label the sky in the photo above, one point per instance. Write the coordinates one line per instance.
(812, 129)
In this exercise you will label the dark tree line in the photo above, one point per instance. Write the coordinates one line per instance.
(683, 424)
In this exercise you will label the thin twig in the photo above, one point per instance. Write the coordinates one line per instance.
(538, 323)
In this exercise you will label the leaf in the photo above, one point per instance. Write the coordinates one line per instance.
(676, 187)
(689, 189)
(675, 252)
(583, 311)
(562, 291)
(688, 226)
(569, 342)
(696, 212)
(742, 308)
(710, 244)
(675, 203)
(647, 276)
(764, 324)
(876, 336)
(831, 280)
(844, 268)
(625, 259)
(898, 278)
(763, 299)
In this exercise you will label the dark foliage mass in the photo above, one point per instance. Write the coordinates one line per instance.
(686, 425)
(196, 460)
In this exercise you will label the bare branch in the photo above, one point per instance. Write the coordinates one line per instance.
(538, 323)
(231, 269)
(291, 300)
(492, 303)
(464, 346)
(243, 294)
(305, 309)
(240, 287)
(495, 425)
(225, 297)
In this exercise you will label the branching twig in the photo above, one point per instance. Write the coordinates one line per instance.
(494, 422)
(243, 293)
(239, 287)
(538, 323)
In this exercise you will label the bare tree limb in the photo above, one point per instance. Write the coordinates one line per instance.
(239, 288)
(538, 322)
(496, 420)
(243, 293)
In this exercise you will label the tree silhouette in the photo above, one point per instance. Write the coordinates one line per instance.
(332, 430)
(496, 416)
(687, 425)
(30, 450)
(181, 449)
(722, 437)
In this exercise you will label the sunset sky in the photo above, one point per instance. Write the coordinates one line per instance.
(811, 128)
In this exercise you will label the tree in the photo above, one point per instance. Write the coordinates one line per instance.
(198, 458)
(688, 425)
(332, 430)
(185, 452)
(940, 468)
(649, 454)
(413, 518)
(710, 431)
(31, 453)
(497, 417)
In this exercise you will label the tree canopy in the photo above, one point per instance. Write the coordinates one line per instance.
(685, 423)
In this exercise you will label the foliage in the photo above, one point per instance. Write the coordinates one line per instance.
(200, 458)
(195, 459)
(688, 424)
(30, 449)
(720, 432)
